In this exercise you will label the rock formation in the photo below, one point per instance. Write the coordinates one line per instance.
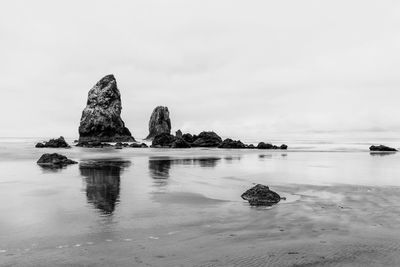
(166, 140)
(178, 134)
(382, 148)
(260, 195)
(229, 143)
(263, 145)
(54, 160)
(54, 143)
(159, 122)
(101, 119)
(206, 139)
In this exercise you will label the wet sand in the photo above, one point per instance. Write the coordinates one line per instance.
(338, 225)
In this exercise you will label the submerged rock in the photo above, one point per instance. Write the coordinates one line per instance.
(54, 143)
(54, 160)
(229, 143)
(159, 122)
(260, 195)
(101, 119)
(382, 148)
(207, 139)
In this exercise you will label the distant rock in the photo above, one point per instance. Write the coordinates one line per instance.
(54, 160)
(382, 148)
(101, 119)
(136, 145)
(188, 138)
(229, 143)
(93, 144)
(206, 139)
(166, 140)
(251, 146)
(263, 145)
(159, 122)
(54, 143)
(260, 195)
(178, 134)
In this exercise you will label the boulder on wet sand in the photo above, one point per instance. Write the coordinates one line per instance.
(382, 148)
(229, 143)
(159, 122)
(263, 145)
(54, 143)
(54, 160)
(260, 195)
(207, 139)
(101, 119)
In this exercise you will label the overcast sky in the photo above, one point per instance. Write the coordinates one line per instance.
(242, 68)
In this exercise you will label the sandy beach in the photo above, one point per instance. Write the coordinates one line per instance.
(183, 208)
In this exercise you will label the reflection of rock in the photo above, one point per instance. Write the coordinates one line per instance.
(159, 168)
(101, 119)
(54, 160)
(382, 148)
(159, 122)
(103, 182)
(54, 143)
(260, 195)
(381, 154)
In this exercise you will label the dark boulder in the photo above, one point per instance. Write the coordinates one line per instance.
(54, 160)
(92, 144)
(229, 143)
(382, 148)
(54, 143)
(180, 143)
(263, 145)
(260, 195)
(163, 140)
(101, 119)
(137, 145)
(188, 137)
(251, 146)
(207, 139)
(159, 122)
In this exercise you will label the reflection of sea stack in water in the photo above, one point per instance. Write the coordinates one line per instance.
(101, 119)
(103, 183)
(159, 122)
(159, 168)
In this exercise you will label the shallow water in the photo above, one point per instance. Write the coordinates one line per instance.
(124, 195)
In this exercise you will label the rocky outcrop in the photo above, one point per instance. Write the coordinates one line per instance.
(93, 144)
(137, 145)
(382, 148)
(260, 195)
(166, 140)
(159, 123)
(101, 119)
(206, 139)
(263, 145)
(54, 143)
(54, 160)
(229, 143)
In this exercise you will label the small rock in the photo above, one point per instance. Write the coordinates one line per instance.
(382, 148)
(260, 195)
(54, 160)
(54, 143)
(229, 143)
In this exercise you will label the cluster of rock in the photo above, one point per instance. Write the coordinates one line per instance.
(54, 143)
(261, 195)
(382, 148)
(54, 160)
(204, 139)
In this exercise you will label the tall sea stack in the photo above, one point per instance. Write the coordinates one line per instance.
(101, 119)
(159, 122)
